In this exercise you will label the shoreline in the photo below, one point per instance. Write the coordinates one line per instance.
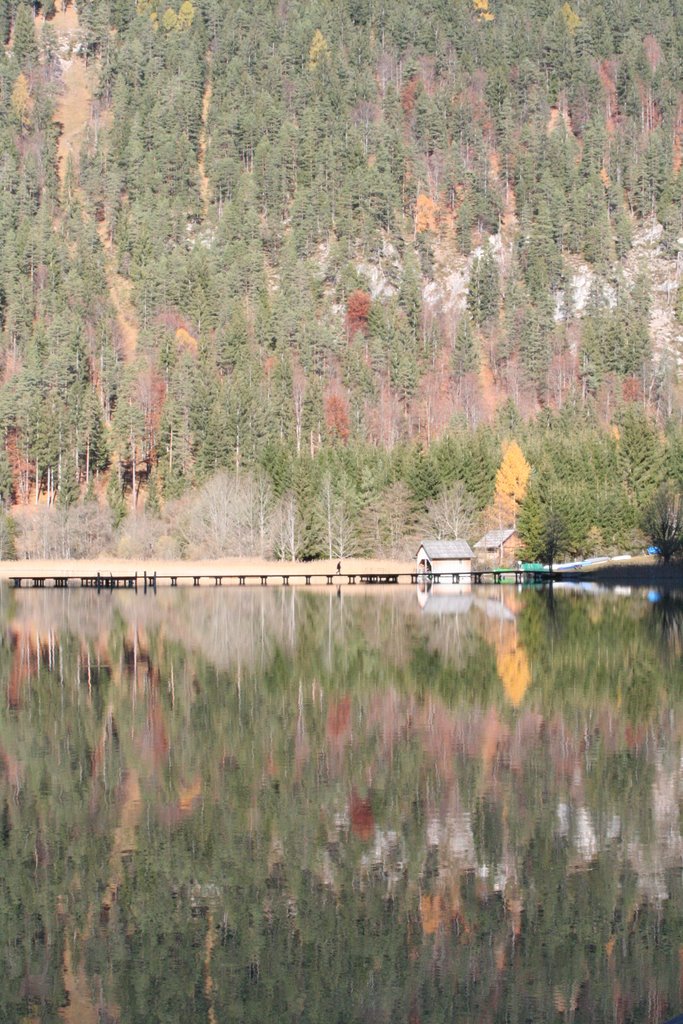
(643, 571)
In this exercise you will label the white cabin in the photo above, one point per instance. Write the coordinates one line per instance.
(444, 556)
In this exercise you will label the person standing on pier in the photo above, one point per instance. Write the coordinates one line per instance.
(338, 568)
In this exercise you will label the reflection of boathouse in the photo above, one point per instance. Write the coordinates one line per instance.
(445, 598)
(444, 556)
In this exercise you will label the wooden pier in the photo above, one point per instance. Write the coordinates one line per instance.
(150, 581)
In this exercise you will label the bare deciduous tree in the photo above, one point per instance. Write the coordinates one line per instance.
(80, 531)
(232, 514)
(663, 522)
(140, 536)
(287, 534)
(452, 514)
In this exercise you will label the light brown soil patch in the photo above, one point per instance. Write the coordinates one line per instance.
(510, 212)
(553, 121)
(490, 398)
(204, 188)
(80, 1008)
(120, 294)
(73, 113)
(607, 72)
(74, 103)
(678, 141)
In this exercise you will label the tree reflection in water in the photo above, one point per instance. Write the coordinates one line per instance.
(264, 805)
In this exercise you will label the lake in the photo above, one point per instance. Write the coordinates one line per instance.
(274, 805)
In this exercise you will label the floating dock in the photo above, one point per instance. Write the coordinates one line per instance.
(150, 581)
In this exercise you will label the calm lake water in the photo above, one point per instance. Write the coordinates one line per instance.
(278, 805)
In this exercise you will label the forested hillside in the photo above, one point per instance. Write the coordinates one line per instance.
(291, 277)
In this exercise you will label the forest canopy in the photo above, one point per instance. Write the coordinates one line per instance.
(348, 251)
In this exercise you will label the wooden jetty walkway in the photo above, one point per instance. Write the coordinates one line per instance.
(150, 581)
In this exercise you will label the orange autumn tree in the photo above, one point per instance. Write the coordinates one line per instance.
(512, 479)
(425, 214)
(512, 666)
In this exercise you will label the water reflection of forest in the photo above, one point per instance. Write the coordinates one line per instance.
(268, 804)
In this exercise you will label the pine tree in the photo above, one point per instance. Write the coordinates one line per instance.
(483, 296)
(548, 524)
(68, 485)
(410, 293)
(479, 466)
(678, 308)
(465, 357)
(25, 43)
(116, 500)
(534, 350)
(152, 503)
(422, 479)
(640, 455)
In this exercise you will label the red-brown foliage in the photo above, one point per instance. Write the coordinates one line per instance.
(357, 312)
(362, 818)
(632, 389)
(337, 417)
(408, 95)
(339, 718)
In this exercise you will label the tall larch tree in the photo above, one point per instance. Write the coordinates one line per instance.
(511, 484)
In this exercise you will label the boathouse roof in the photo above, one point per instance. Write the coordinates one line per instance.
(443, 549)
(495, 538)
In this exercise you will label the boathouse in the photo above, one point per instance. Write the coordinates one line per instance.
(444, 556)
(498, 547)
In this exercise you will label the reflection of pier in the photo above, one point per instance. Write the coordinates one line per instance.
(102, 581)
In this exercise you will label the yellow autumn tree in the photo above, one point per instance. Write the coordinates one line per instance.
(22, 104)
(571, 18)
(482, 9)
(511, 482)
(184, 338)
(319, 51)
(185, 16)
(170, 19)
